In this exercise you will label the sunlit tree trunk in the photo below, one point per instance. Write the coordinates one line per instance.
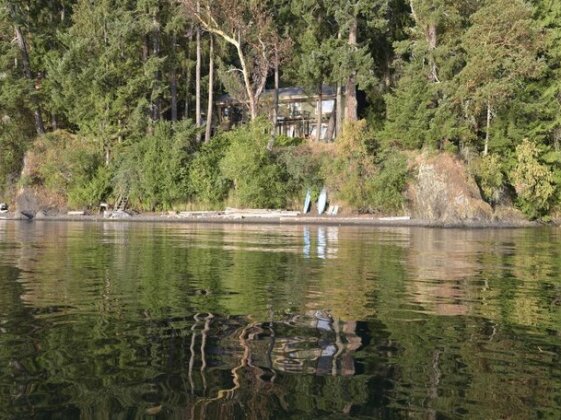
(488, 128)
(352, 104)
(198, 79)
(276, 95)
(208, 131)
(319, 111)
(156, 47)
(173, 81)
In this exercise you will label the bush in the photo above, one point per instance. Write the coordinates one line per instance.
(208, 185)
(71, 166)
(533, 181)
(259, 178)
(153, 170)
(350, 170)
(304, 169)
(489, 176)
(385, 192)
(92, 191)
(365, 181)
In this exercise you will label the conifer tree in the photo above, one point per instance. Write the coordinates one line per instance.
(502, 48)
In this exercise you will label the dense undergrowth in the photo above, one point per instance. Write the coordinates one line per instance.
(168, 169)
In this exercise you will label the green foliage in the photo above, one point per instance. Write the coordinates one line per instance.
(109, 71)
(72, 166)
(408, 114)
(153, 171)
(356, 178)
(304, 169)
(207, 183)
(259, 177)
(532, 180)
(489, 176)
(387, 187)
(13, 142)
(93, 190)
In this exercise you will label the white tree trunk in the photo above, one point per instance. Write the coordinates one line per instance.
(352, 104)
(208, 130)
(198, 79)
(488, 129)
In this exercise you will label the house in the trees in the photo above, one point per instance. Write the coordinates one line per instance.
(297, 115)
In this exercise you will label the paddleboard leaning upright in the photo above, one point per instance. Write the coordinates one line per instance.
(322, 201)
(308, 202)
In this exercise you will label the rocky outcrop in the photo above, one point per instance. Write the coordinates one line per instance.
(443, 190)
(32, 198)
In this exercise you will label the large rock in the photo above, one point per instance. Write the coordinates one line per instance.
(444, 191)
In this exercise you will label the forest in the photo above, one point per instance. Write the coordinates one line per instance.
(115, 98)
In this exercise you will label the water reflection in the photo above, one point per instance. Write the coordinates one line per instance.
(257, 322)
(326, 241)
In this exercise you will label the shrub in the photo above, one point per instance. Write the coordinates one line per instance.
(71, 166)
(93, 190)
(304, 169)
(532, 181)
(365, 181)
(385, 192)
(258, 176)
(153, 170)
(489, 176)
(349, 171)
(208, 185)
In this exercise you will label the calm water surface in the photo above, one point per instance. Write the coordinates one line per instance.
(116, 320)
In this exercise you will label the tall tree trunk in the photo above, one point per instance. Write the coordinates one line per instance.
(488, 128)
(247, 82)
(145, 55)
(352, 104)
(431, 36)
(320, 112)
(432, 41)
(157, 101)
(198, 78)
(331, 126)
(188, 78)
(556, 138)
(145, 49)
(173, 81)
(39, 126)
(339, 107)
(208, 131)
(276, 96)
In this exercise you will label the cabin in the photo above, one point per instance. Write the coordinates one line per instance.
(297, 115)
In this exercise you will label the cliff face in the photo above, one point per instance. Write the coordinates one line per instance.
(443, 190)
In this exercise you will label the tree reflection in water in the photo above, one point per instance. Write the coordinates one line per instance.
(182, 321)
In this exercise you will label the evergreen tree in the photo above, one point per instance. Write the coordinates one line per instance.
(502, 48)
(422, 111)
(547, 123)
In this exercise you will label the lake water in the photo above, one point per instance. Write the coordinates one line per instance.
(116, 320)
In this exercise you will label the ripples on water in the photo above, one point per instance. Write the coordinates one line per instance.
(116, 320)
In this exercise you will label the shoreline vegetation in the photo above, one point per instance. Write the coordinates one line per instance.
(446, 112)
